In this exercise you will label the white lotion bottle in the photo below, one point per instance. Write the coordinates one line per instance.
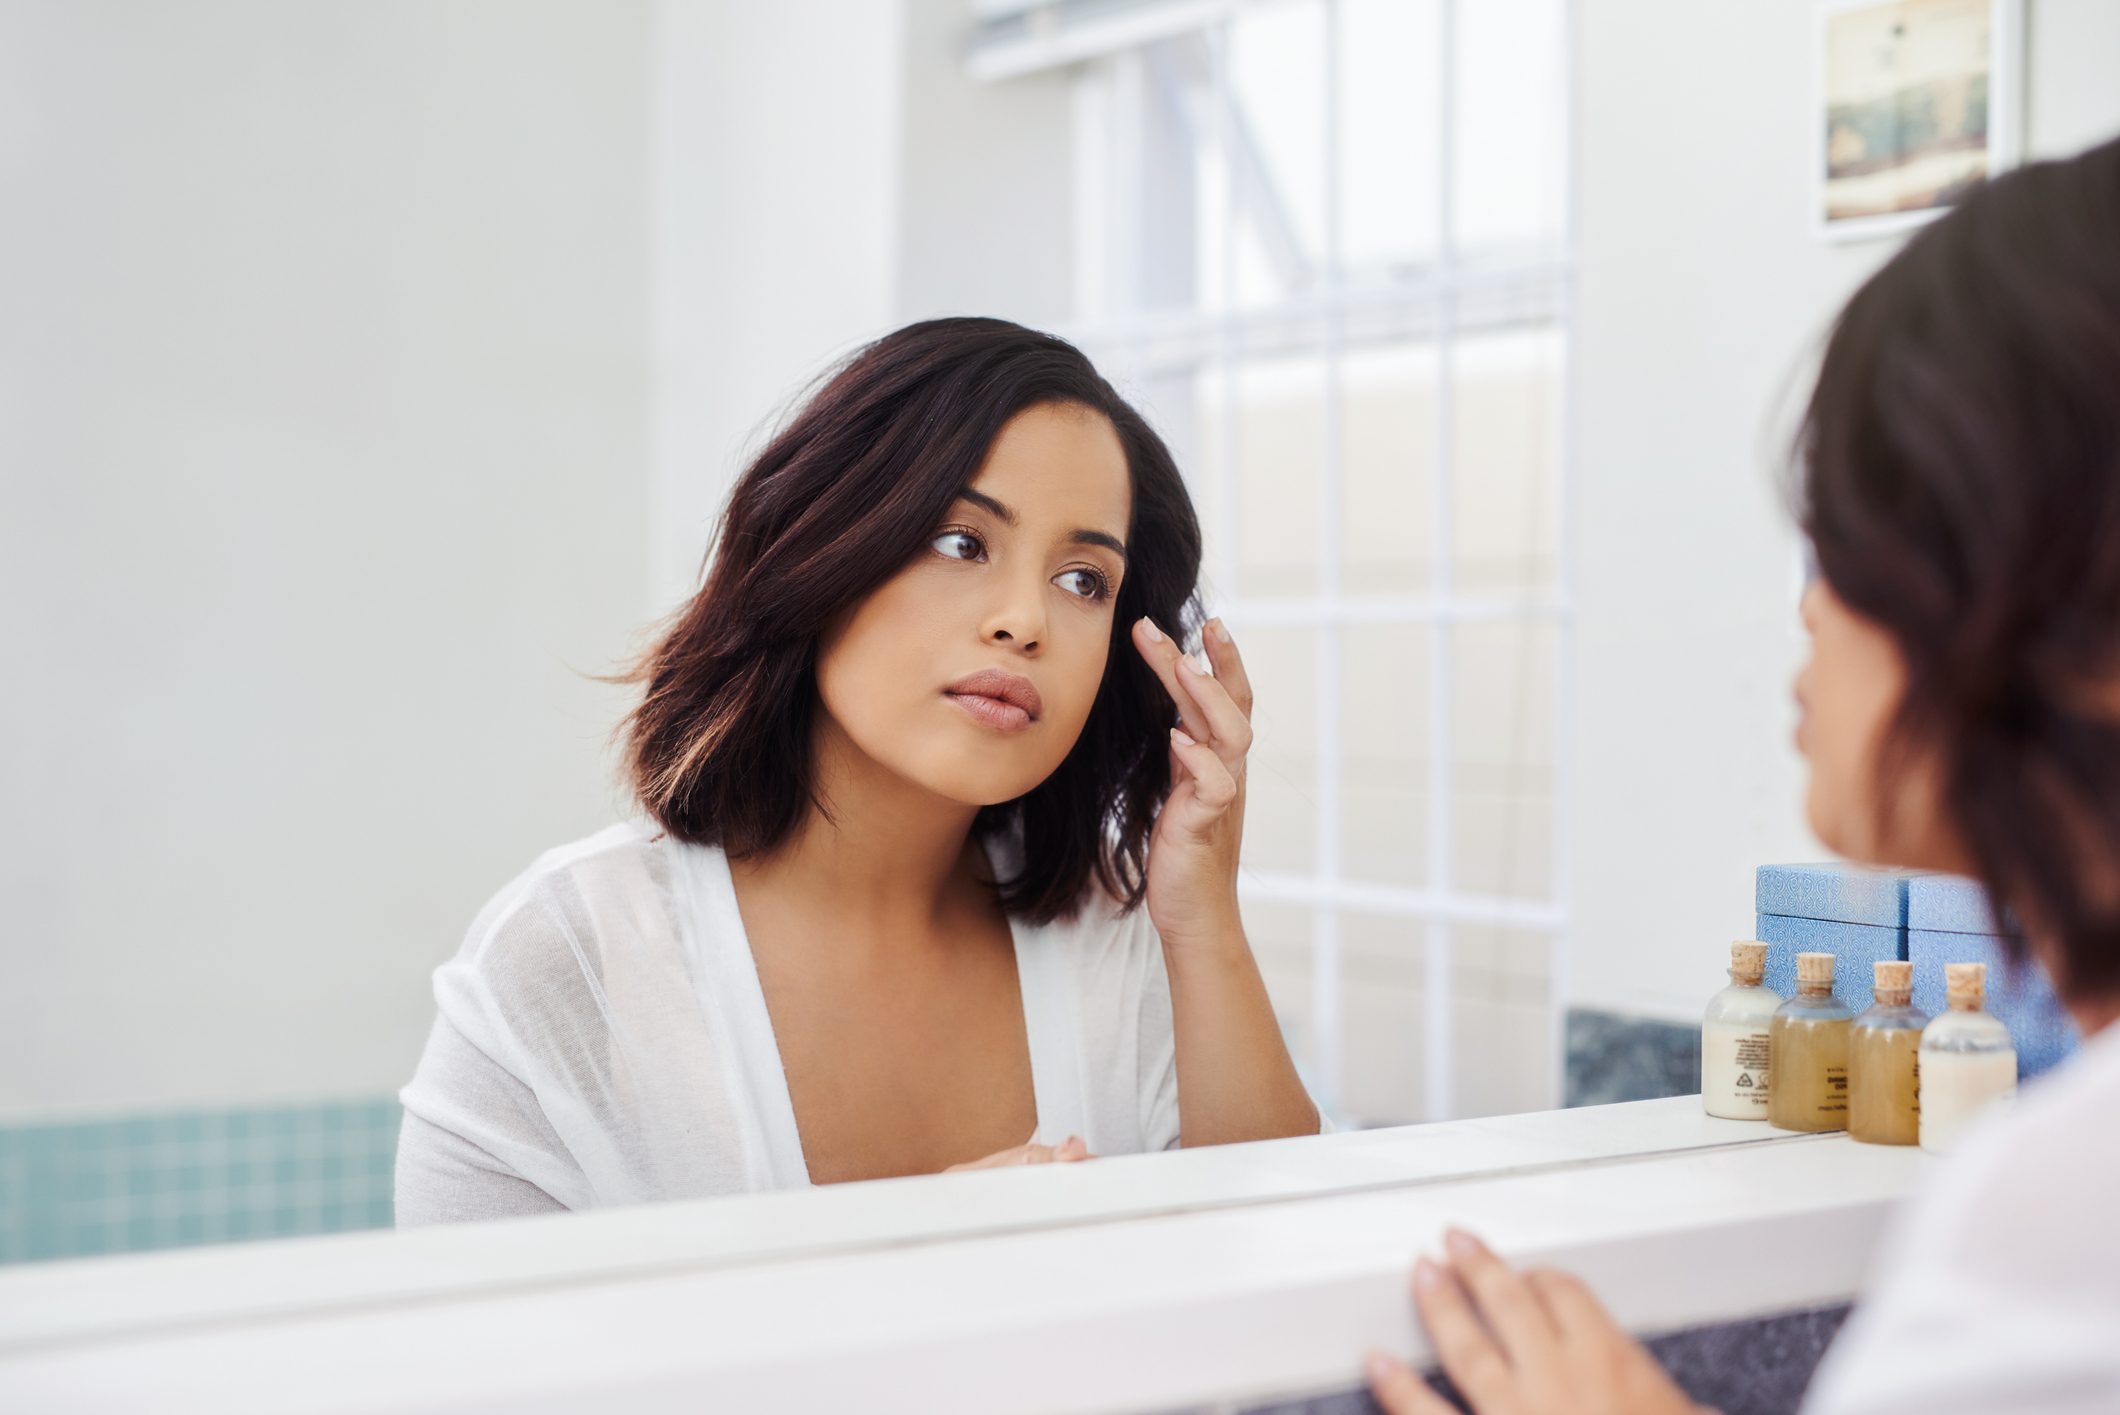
(1967, 1061)
(1735, 1079)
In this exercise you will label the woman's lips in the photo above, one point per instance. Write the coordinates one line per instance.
(997, 698)
(992, 712)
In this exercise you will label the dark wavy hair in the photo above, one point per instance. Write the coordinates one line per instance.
(1960, 482)
(844, 495)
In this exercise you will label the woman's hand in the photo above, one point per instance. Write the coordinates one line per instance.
(1066, 1152)
(1533, 1343)
(1192, 858)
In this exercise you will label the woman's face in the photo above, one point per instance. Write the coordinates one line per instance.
(1846, 695)
(972, 670)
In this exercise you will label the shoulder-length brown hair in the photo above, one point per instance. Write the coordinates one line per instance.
(1961, 486)
(850, 490)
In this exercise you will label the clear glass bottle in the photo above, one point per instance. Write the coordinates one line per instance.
(1735, 1048)
(1809, 1052)
(1884, 1067)
(1968, 1061)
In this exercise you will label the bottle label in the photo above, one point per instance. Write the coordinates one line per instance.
(1836, 1097)
(1734, 1072)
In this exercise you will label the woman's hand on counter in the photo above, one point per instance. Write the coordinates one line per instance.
(1530, 1343)
(1066, 1152)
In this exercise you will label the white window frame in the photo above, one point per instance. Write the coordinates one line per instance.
(1435, 305)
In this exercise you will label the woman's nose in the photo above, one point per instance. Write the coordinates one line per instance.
(1018, 619)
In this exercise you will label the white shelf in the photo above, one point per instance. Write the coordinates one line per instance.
(1239, 1272)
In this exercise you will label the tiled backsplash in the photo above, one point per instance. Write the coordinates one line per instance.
(172, 1178)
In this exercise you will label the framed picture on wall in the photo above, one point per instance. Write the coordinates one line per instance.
(1917, 101)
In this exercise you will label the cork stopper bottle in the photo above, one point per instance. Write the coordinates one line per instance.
(1809, 1052)
(1884, 1066)
(1968, 1062)
(1735, 1044)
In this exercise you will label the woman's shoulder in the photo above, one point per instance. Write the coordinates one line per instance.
(573, 894)
(2028, 1192)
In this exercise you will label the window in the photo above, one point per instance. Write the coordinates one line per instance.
(1325, 245)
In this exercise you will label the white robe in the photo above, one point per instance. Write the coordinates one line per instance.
(1998, 1287)
(602, 1039)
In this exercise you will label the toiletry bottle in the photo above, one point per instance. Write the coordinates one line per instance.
(1883, 1062)
(1734, 1045)
(1809, 1052)
(1967, 1059)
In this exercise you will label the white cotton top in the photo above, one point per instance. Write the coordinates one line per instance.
(1998, 1287)
(602, 1038)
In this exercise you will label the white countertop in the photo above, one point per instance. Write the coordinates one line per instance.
(1242, 1272)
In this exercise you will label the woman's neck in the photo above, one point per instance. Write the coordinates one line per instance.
(888, 852)
(2094, 1015)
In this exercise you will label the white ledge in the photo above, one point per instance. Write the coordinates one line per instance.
(1239, 1273)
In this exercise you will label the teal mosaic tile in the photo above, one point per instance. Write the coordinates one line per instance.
(162, 1180)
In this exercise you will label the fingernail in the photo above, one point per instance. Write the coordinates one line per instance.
(1426, 1275)
(1461, 1244)
(1177, 734)
(1185, 663)
(1380, 1367)
(1155, 635)
(1218, 629)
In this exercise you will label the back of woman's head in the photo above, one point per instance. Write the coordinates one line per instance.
(844, 497)
(1961, 487)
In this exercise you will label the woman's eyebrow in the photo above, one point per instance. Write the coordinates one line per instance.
(1007, 517)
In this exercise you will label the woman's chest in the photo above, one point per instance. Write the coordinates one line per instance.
(901, 1061)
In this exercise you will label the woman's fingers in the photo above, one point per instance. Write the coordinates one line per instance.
(1512, 1310)
(1068, 1151)
(1579, 1317)
(1214, 787)
(1231, 728)
(1206, 708)
(1161, 654)
(1468, 1354)
(1400, 1391)
(1229, 664)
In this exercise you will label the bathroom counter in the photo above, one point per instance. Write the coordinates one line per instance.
(1247, 1273)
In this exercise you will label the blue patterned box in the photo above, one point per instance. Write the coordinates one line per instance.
(1857, 915)
(1948, 921)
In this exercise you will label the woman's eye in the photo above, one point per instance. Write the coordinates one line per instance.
(957, 545)
(1088, 584)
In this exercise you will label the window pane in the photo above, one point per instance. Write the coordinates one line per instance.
(1279, 430)
(1506, 390)
(1280, 936)
(1502, 697)
(1511, 83)
(1277, 165)
(1390, 74)
(1384, 753)
(1501, 1034)
(1280, 814)
(1388, 451)
(1381, 1018)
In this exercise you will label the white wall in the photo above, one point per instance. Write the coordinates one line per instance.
(823, 173)
(1703, 290)
(322, 449)
(775, 152)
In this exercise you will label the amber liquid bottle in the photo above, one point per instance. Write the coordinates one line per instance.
(1884, 1062)
(1809, 1045)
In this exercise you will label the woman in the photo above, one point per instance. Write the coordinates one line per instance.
(916, 760)
(1961, 712)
